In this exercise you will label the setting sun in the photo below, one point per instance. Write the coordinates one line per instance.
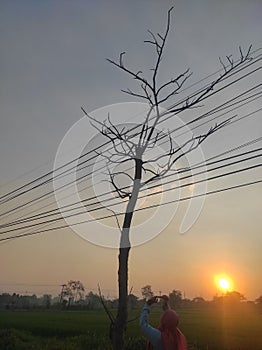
(224, 283)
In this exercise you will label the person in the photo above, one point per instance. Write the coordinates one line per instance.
(167, 336)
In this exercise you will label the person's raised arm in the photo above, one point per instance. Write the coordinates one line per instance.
(151, 333)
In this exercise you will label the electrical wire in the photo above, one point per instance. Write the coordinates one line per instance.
(57, 211)
(51, 172)
(241, 118)
(210, 113)
(152, 193)
(136, 210)
(196, 165)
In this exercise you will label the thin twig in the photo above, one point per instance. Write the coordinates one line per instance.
(109, 314)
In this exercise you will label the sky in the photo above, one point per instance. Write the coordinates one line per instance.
(52, 63)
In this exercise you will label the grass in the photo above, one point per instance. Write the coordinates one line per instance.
(76, 330)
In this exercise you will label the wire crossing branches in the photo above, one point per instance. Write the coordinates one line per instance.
(133, 147)
(137, 148)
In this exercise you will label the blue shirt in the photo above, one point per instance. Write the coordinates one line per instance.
(151, 333)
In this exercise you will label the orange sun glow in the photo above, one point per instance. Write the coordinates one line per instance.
(224, 283)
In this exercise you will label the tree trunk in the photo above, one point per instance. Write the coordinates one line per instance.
(118, 329)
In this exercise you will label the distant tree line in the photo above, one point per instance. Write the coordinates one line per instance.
(73, 297)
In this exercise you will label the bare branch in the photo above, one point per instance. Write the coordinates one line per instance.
(174, 81)
(113, 134)
(159, 44)
(154, 42)
(134, 75)
(193, 144)
(131, 93)
(213, 129)
(90, 117)
(223, 65)
(145, 128)
(96, 127)
(241, 53)
(171, 152)
(116, 217)
(110, 159)
(110, 316)
(160, 52)
(121, 59)
(119, 140)
(125, 174)
(227, 69)
(230, 60)
(177, 90)
(160, 36)
(148, 96)
(121, 193)
(247, 57)
(156, 138)
(150, 171)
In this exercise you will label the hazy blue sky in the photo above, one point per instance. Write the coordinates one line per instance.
(53, 62)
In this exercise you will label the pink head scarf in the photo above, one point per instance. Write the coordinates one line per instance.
(171, 336)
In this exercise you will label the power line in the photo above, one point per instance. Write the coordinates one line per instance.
(256, 96)
(242, 117)
(51, 172)
(196, 166)
(85, 176)
(139, 209)
(146, 195)
(100, 202)
(199, 164)
(194, 120)
(234, 72)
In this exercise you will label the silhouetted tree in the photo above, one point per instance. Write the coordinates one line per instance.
(133, 301)
(47, 300)
(147, 292)
(175, 299)
(77, 289)
(199, 301)
(71, 292)
(131, 147)
(234, 297)
(258, 301)
(93, 301)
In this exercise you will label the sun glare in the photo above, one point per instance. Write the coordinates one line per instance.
(224, 283)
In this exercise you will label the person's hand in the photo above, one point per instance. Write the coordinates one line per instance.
(165, 298)
(165, 305)
(151, 301)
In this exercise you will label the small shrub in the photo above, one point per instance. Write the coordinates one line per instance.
(135, 343)
(12, 339)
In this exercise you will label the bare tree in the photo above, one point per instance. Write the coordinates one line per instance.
(146, 291)
(73, 291)
(129, 146)
(175, 299)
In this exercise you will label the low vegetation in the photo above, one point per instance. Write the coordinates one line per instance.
(218, 328)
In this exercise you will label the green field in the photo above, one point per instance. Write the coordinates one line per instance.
(77, 330)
